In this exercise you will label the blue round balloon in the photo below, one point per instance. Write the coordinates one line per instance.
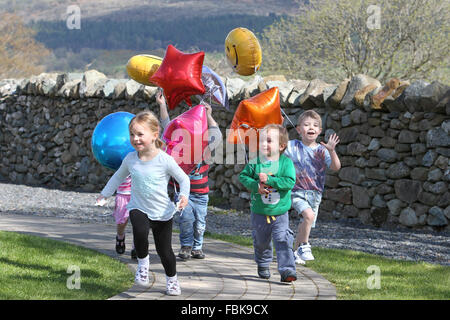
(111, 139)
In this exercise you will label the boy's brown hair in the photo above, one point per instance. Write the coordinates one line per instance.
(283, 134)
(309, 114)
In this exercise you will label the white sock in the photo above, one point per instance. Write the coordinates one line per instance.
(174, 278)
(145, 262)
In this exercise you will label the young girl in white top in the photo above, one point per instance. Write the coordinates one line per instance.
(150, 207)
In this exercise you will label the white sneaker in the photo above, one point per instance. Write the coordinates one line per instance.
(304, 252)
(173, 286)
(141, 276)
(298, 260)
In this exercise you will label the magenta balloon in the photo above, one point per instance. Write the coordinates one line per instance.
(186, 137)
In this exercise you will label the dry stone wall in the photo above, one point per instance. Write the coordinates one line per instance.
(394, 149)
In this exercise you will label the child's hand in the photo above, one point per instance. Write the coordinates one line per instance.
(263, 177)
(100, 201)
(208, 109)
(262, 189)
(160, 100)
(182, 203)
(332, 142)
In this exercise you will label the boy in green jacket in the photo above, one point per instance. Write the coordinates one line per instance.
(270, 178)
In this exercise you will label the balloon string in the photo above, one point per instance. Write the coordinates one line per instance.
(243, 145)
(287, 117)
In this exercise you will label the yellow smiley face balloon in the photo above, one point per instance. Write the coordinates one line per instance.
(243, 51)
(141, 67)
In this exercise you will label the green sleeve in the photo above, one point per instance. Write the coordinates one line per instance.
(246, 177)
(286, 179)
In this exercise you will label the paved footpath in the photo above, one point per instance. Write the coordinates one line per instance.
(227, 272)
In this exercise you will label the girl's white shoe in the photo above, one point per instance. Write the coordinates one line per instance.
(173, 286)
(141, 276)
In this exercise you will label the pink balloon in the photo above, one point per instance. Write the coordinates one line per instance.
(186, 137)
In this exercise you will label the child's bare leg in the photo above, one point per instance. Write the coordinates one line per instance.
(304, 228)
(121, 229)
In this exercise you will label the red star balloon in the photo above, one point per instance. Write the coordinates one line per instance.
(180, 76)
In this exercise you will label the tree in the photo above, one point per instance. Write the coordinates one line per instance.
(331, 40)
(20, 54)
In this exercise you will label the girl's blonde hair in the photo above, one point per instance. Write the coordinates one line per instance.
(283, 135)
(149, 119)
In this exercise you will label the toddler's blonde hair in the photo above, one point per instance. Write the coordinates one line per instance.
(283, 135)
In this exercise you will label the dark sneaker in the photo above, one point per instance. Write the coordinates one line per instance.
(264, 272)
(133, 254)
(185, 253)
(197, 254)
(288, 276)
(120, 245)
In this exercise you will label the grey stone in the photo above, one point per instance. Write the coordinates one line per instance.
(388, 142)
(407, 190)
(395, 206)
(407, 136)
(419, 173)
(374, 144)
(429, 158)
(398, 170)
(387, 155)
(378, 201)
(408, 217)
(412, 95)
(437, 137)
(432, 94)
(342, 195)
(360, 197)
(357, 82)
(435, 175)
(351, 174)
(376, 173)
(91, 83)
(297, 91)
(418, 148)
(438, 187)
(234, 86)
(313, 95)
(347, 135)
(436, 217)
(346, 121)
(356, 149)
(428, 198)
(447, 212)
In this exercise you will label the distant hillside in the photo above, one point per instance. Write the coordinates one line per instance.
(114, 30)
(51, 10)
(207, 33)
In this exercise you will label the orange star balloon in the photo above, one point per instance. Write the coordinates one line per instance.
(253, 114)
(180, 76)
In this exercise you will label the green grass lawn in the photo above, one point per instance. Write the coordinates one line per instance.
(37, 268)
(348, 271)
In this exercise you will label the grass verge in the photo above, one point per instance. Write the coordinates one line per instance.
(363, 276)
(35, 268)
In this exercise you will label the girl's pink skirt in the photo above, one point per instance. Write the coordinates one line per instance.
(120, 211)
